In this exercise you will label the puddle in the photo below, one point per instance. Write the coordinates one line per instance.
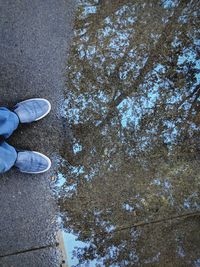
(129, 177)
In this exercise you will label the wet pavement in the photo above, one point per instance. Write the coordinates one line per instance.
(35, 38)
(129, 177)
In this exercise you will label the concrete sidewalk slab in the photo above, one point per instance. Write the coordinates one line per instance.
(35, 37)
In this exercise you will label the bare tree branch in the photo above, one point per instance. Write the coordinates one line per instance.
(165, 38)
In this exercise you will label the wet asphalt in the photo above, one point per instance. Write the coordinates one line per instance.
(35, 39)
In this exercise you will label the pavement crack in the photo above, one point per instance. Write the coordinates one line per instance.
(29, 250)
(143, 223)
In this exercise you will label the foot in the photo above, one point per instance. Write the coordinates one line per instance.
(32, 109)
(32, 162)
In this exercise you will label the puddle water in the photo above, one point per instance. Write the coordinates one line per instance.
(130, 171)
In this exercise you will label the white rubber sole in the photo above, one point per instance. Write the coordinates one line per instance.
(47, 159)
(45, 100)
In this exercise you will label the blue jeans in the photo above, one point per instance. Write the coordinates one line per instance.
(9, 122)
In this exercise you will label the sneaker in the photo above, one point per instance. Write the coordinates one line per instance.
(32, 109)
(32, 162)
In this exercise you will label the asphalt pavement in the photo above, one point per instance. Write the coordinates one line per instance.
(35, 39)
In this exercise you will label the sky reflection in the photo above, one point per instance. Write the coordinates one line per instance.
(130, 169)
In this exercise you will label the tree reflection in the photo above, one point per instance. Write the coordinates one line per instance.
(132, 104)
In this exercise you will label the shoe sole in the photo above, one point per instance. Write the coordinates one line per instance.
(49, 104)
(47, 159)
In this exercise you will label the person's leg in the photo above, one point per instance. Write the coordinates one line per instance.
(9, 122)
(24, 112)
(8, 157)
